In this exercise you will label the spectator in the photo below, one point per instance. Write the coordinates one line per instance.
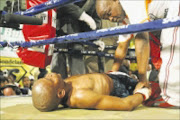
(31, 81)
(26, 82)
(12, 80)
(10, 75)
(8, 7)
(16, 6)
(27, 85)
(3, 81)
(8, 89)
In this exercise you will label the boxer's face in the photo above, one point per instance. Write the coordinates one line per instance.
(56, 79)
(57, 83)
(111, 10)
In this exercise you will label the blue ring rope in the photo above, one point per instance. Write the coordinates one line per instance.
(86, 36)
(46, 6)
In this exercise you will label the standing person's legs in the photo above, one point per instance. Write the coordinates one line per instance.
(76, 62)
(91, 64)
(90, 61)
(58, 64)
(169, 76)
(108, 62)
(42, 73)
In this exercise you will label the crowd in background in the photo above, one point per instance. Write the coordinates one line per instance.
(9, 85)
(12, 6)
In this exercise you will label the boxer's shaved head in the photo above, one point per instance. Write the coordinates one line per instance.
(44, 95)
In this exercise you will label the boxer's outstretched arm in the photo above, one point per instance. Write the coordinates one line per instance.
(90, 99)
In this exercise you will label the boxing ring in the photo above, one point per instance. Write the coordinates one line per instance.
(20, 107)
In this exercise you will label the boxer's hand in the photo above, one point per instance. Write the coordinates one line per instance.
(146, 92)
(141, 84)
(100, 43)
(89, 20)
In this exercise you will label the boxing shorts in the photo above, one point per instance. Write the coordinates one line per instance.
(124, 85)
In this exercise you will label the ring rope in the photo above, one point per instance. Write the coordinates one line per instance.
(46, 6)
(93, 53)
(92, 35)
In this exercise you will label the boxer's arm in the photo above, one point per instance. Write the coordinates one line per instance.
(90, 99)
(141, 39)
(120, 53)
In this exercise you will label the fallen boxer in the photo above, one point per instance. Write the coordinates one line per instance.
(113, 91)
